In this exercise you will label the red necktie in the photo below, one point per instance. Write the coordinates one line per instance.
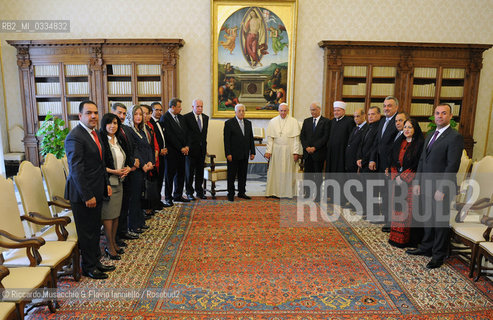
(97, 142)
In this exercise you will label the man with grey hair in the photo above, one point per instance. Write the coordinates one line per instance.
(238, 147)
(314, 135)
(382, 147)
(283, 151)
(197, 124)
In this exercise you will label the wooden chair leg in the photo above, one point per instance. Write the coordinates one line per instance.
(52, 284)
(474, 251)
(213, 189)
(480, 258)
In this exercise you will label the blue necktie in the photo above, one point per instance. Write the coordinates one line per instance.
(314, 124)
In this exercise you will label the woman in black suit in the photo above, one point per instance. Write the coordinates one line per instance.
(143, 152)
(117, 167)
(404, 161)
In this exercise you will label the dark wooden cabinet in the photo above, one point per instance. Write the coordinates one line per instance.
(420, 75)
(56, 75)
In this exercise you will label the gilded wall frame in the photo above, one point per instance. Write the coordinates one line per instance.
(253, 56)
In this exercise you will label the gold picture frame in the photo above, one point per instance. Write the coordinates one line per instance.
(253, 54)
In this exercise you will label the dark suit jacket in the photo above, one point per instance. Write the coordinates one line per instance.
(196, 139)
(142, 149)
(365, 149)
(87, 176)
(444, 155)
(174, 134)
(353, 144)
(159, 138)
(235, 143)
(382, 145)
(317, 138)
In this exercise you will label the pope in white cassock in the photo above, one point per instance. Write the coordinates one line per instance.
(283, 151)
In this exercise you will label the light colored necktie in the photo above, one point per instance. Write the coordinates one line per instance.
(199, 123)
(177, 121)
(398, 135)
(242, 126)
(385, 126)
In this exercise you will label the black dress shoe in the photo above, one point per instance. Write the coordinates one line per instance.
(138, 230)
(121, 243)
(128, 236)
(168, 203)
(203, 197)
(231, 198)
(244, 196)
(144, 227)
(111, 256)
(105, 268)
(385, 229)
(95, 274)
(433, 264)
(149, 212)
(120, 251)
(180, 199)
(190, 197)
(418, 252)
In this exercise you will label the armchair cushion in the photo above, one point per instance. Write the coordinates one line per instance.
(26, 278)
(219, 173)
(6, 310)
(51, 253)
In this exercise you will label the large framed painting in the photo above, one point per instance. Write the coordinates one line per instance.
(253, 50)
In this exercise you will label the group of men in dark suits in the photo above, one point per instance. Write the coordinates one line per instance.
(182, 144)
(357, 146)
(87, 185)
(185, 138)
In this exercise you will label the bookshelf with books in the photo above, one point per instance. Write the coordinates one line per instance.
(134, 83)
(363, 86)
(77, 89)
(433, 85)
(48, 93)
(419, 75)
(56, 75)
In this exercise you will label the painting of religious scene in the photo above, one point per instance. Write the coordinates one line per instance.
(252, 60)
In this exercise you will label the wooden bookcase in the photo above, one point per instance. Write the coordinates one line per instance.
(420, 75)
(56, 75)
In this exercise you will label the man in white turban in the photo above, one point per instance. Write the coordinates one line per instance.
(340, 129)
(283, 151)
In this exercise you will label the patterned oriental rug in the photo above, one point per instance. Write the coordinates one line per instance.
(222, 260)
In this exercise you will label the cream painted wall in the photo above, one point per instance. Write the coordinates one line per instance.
(377, 20)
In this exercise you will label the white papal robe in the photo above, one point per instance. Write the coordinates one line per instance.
(283, 140)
